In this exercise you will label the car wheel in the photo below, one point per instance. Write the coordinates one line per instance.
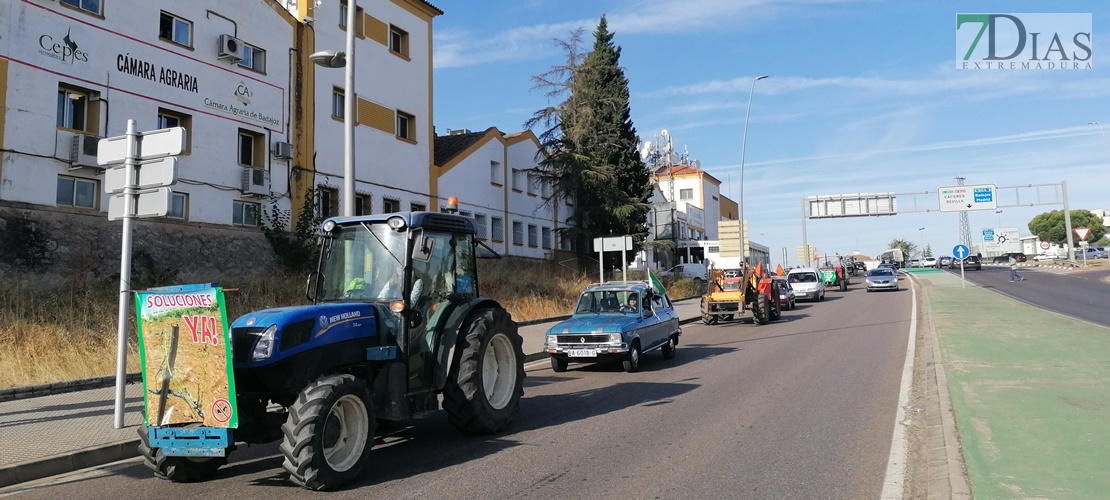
(822, 297)
(558, 365)
(668, 348)
(631, 361)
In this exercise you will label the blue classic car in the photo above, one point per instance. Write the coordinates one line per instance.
(615, 321)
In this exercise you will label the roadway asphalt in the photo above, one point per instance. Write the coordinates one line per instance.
(1028, 390)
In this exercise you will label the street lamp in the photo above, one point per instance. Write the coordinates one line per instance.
(999, 217)
(333, 59)
(743, 153)
(1103, 132)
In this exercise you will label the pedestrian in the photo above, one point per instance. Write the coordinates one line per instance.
(1014, 276)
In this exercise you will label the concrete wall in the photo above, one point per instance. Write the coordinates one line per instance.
(85, 247)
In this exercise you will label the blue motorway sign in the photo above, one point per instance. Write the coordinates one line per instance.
(960, 251)
(988, 235)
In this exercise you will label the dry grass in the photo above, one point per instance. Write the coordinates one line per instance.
(66, 334)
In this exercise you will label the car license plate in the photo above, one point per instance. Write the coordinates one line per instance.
(582, 353)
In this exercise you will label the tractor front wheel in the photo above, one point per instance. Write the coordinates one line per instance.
(328, 433)
(761, 311)
(486, 380)
(177, 469)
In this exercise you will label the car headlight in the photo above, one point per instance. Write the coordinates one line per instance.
(615, 338)
(264, 346)
(552, 341)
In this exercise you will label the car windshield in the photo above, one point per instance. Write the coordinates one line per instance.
(880, 272)
(803, 277)
(608, 302)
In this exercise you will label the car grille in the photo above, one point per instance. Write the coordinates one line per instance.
(242, 342)
(582, 339)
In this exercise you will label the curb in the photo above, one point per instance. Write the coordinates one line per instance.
(31, 470)
(34, 391)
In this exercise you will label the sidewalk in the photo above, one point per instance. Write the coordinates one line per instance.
(49, 435)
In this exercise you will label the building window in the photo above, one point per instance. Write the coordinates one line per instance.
(75, 192)
(251, 153)
(533, 184)
(406, 126)
(343, 18)
(496, 174)
(362, 204)
(518, 232)
(253, 58)
(518, 180)
(417, 207)
(685, 194)
(545, 189)
(480, 226)
(497, 229)
(338, 103)
(179, 206)
(169, 119)
(327, 202)
(175, 29)
(90, 6)
(533, 239)
(73, 108)
(244, 213)
(398, 41)
(390, 205)
(545, 234)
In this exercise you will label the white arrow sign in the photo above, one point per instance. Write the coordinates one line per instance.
(160, 173)
(153, 144)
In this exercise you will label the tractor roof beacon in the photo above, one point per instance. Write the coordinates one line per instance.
(396, 321)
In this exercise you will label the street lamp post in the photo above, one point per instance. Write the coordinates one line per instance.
(743, 153)
(922, 243)
(333, 59)
(999, 217)
(1103, 132)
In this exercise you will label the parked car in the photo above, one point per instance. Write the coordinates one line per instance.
(1047, 257)
(1091, 253)
(944, 262)
(615, 321)
(929, 262)
(881, 279)
(807, 284)
(692, 270)
(1004, 258)
(787, 299)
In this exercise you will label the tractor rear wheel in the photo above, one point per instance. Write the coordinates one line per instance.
(177, 469)
(328, 433)
(775, 306)
(709, 319)
(486, 380)
(761, 311)
(844, 285)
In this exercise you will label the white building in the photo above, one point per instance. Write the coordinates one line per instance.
(75, 71)
(492, 174)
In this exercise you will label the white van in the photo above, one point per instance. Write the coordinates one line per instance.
(807, 284)
(697, 271)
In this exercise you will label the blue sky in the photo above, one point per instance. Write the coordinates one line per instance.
(863, 97)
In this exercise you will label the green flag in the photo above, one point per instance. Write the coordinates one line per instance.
(656, 284)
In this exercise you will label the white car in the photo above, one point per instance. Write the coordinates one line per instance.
(1047, 257)
(929, 262)
(807, 284)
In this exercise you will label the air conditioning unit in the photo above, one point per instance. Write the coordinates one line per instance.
(230, 48)
(255, 181)
(82, 151)
(282, 150)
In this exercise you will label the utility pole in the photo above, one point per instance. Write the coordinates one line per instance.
(965, 226)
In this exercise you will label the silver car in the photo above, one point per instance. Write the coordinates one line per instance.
(882, 279)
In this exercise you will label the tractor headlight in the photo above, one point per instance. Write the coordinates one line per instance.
(264, 347)
(615, 338)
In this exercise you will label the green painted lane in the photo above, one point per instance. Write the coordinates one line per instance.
(1030, 390)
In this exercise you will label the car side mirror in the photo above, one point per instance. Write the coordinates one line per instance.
(648, 313)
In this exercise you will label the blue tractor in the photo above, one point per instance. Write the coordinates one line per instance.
(396, 322)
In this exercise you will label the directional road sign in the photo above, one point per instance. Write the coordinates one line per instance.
(156, 174)
(965, 198)
(151, 203)
(613, 244)
(960, 251)
(152, 144)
